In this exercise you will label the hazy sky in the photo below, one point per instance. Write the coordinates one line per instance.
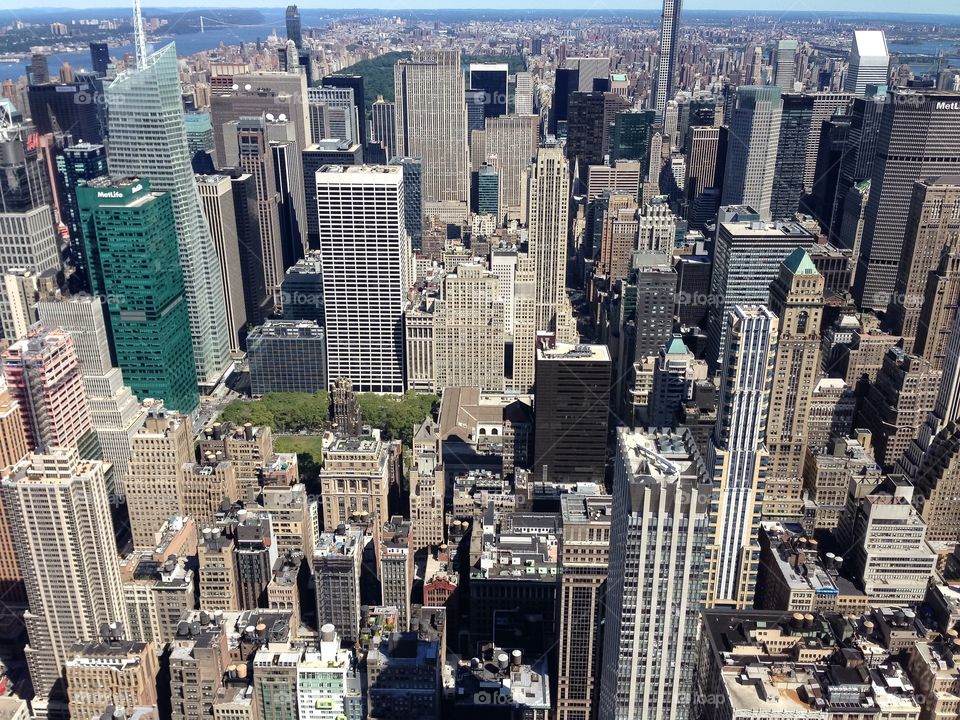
(950, 7)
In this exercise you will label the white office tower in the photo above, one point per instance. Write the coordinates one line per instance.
(364, 253)
(114, 410)
(548, 197)
(737, 455)
(148, 139)
(785, 65)
(523, 94)
(661, 496)
(869, 62)
(431, 122)
(752, 151)
(663, 88)
(59, 516)
(325, 679)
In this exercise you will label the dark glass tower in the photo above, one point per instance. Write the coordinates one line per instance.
(131, 242)
(294, 30)
(631, 136)
(791, 155)
(566, 82)
(99, 58)
(585, 128)
(492, 80)
(80, 163)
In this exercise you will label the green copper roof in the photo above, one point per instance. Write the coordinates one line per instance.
(799, 263)
(677, 346)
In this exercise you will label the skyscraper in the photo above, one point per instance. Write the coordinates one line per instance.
(147, 139)
(663, 88)
(919, 137)
(43, 375)
(660, 529)
(219, 207)
(115, 413)
(13, 448)
(59, 513)
(99, 57)
(869, 62)
(752, 148)
(584, 559)
(785, 65)
(129, 234)
(364, 249)
(738, 455)
(509, 144)
(572, 398)
(255, 158)
(523, 94)
(791, 155)
(548, 197)
(796, 298)
(931, 230)
(491, 78)
(80, 162)
(383, 127)
(431, 122)
(294, 31)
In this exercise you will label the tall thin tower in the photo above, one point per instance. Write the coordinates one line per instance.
(663, 90)
(148, 140)
(549, 198)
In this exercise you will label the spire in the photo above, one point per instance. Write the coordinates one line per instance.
(139, 36)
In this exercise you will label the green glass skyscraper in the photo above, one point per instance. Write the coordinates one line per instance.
(130, 238)
(631, 135)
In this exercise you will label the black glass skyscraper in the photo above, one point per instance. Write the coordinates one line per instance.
(492, 80)
(81, 163)
(294, 30)
(791, 155)
(566, 82)
(99, 57)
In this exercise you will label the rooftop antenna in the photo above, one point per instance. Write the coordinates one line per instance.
(139, 37)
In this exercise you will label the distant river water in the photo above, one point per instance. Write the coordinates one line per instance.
(187, 44)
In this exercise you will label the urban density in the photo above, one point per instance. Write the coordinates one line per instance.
(475, 364)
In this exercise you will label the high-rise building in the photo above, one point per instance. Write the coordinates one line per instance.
(333, 114)
(114, 410)
(326, 683)
(43, 375)
(219, 207)
(412, 198)
(548, 198)
(752, 148)
(355, 478)
(154, 494)
(826, 104)
(303, 289)
(383, 127)
(485, 194)
(585, 128)
(658, 540)
(130, 238)
(491, 78)
(663, 89)
(509, 144)
(80, 162)
(738, 455)
(572, 396)
(523, 94)
(469, 330)
(294, 30)
(795, 120)
(785, 65)
(148, 140)
(427, 486)
(919, 137)
(291, 195)
(395, 567)
(898, 403)
(702, 152)
(364, 248)
(656, 284)
(337, 565)
(932, 229)
(59, 513)
(584, 560)
(674, 376)
(431, 122)
(287, 356)
(99, 58)
(746, 260)
(796, 298)
(255, 94)
(247, 137)
(354, 83)
(869, 62)
(13, 448)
